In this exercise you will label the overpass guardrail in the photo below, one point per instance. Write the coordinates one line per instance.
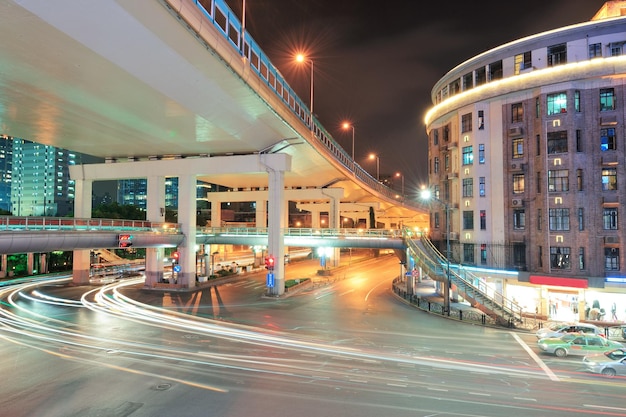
(16, 223)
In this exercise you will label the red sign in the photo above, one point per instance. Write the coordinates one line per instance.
(558, 281)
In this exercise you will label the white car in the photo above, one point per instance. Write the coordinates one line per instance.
(558, 329)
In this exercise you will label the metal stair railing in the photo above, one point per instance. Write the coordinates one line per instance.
(469, 285)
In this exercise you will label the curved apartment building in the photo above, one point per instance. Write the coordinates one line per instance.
(527, 145)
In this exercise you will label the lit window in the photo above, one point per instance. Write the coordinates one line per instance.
(607, 99)
(609, 179)
(518, 183)
(556, 103)
(518, 148)
(468, 155)
(560, 257)
(608, 140)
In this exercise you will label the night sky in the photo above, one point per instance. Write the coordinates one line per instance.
(376, 62)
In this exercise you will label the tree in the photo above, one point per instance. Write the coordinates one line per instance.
(117, 211)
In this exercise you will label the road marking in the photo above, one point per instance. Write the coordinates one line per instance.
(346, 292)
(372, 290)
(536, 358)
(605, 407)
(484, 394)
(525, 399)
(324, 295)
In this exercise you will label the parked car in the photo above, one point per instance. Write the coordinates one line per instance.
(577, 344)
(557, 329)
(610, 363)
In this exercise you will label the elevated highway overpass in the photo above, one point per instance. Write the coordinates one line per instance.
(172, 88)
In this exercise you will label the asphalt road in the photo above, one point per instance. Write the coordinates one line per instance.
(344, 347)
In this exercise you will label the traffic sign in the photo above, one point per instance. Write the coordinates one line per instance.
(270, 280)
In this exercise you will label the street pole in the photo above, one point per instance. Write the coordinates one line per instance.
(353, 143)
(446, 291)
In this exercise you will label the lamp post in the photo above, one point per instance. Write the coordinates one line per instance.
(399, 174)
(374, 156)
(347, 126)
(302, 58)
(427, 195)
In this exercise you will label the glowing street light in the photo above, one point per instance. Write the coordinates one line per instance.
(301, 58)
(374, 156)
(399, 174)
(347, 126)
(426, 194)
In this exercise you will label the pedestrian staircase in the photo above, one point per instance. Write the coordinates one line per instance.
(468, 285)
(108, 256)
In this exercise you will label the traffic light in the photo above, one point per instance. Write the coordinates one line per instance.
(175, 257)
(269, 262)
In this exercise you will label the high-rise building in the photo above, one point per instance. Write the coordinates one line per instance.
(40, 181)
(6, 172)
(527, 152)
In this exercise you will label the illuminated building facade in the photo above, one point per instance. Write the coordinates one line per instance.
(6, 172)
(40, 183)
(527, 146)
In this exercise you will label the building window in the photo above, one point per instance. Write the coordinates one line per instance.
(446, 162)
(436, 220)
(556, 103)
(579, 179)
(495, 70)
(557, 54)
(519, 219)
(446, 133)
(481, 153)
(480, 76)
(468, 220)
(595, 50)
(468, 81)
(609, 218)
(581, 219)
(519, 254)
(611, 259)
(538, 144)
(608, 140)
(609, 179)
(466, 123)
(560, 257)
(559, 219)
(483, 254)
(481, 186)
(468, 155)
(455, 87)
(483, 220)
(581, 258)
(518, 183)
(517, 113)
(468, 187)
(577, 101)
(468, 253)
(522, 62)
(557, 142)
(558, 180)
(436, 163)
(518, 148)
(540, 256)
(617, 48)
(537, 108)
(435, 136)
(607, 99)
(579, 141)
(481, 119)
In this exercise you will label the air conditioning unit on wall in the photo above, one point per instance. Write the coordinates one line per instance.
(516, 131)
(517, 202)
(611, 240)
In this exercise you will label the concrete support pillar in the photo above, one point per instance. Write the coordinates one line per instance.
(3, 267)
(261, 213)
(276, 225)
(315, 219)
(43, 263)
(30, 262)
(334, 222)
(216, 213)
(187, 219)
(82, 209)
(155, 212)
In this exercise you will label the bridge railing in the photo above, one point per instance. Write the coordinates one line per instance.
(306, 232)
(230, 28)
(13, 223)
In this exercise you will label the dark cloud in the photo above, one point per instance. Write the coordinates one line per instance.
(376, 62)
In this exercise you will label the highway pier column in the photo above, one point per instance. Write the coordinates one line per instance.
(155, 212)
(187, 219)
(276, 226)
(82, 209)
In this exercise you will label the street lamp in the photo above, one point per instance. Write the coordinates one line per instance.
(302, 58)
(426, 194)
(374, 156)
(347, 126)
(399, 174)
